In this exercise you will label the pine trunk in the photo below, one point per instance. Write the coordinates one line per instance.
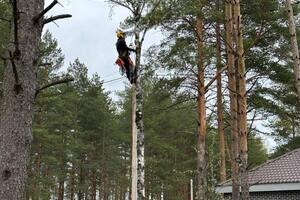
(19, 87)
(72, 183)
(61, 190)
(201, 160)
(222, 170)
(233, 102)
(242, 104)
(294, 43)
(94, 185)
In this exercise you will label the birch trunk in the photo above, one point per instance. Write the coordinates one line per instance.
(19, 87)
(242, 103)
(134, 150)
(233, 102)
(222, 170)
(139, 121)
(201, 160)
(294, 44)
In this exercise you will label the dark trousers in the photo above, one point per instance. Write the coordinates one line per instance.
(126, 65)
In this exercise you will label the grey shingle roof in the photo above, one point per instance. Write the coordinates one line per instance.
(284, 169)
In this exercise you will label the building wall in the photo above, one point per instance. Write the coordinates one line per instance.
(282, 195)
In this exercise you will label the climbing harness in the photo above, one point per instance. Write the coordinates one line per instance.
(122, 68)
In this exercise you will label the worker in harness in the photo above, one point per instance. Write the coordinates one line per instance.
(124, 60)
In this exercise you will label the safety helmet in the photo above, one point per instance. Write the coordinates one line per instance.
(120, 33)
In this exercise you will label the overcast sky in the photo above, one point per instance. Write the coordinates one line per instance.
(90, 36)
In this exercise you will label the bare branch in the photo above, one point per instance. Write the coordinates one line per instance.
(18, 86)
(45, 64)
(65, 80)
(16, 30)
(4, 19)
(122, 4)
(40, 15)
(252, 121)
(51, 19)
(214, 78)
(252, 86)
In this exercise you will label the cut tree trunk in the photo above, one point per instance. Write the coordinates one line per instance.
(19, 88)
(139, 121)
(242, 103)
(201, 160)
(294, 43)
(233, 102)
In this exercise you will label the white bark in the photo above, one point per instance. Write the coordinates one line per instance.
(134, 150)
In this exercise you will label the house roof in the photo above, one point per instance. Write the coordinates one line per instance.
(281, 173)
(283, 169)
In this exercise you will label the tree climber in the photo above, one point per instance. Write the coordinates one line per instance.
(124, 60)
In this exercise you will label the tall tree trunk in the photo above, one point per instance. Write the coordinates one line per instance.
(61, 190)
(134, 150)
(233, 102)
(80, 194)
(294, 43)
(19, 87)
(201, 160)
(139, 121)
(242, 103)
(94, 186)
(138, 116)
(222, 170)
(72, 183)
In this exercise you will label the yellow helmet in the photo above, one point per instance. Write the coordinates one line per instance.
(120, 33)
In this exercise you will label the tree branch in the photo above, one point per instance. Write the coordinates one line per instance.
(45, 64)
(122, 4)
(4, 19)
(51, 19)
(214, 78)
(41, 14)
(65, 80)
(18, 86)
(16, 30)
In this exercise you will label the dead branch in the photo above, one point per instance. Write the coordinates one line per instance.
(4, 19)
(122, 4)
(252, 121)
(51, 19)
(41, 14)
(65, 80)
(45, 64)
(252, 86)
(214, 78)
(18, 86)
(16, 30)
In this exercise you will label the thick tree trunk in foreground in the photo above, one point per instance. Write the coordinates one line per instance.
(294, 43)
(19, 87)
(222, 170)
(201, 157)
(242, 103)
(233, 102)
